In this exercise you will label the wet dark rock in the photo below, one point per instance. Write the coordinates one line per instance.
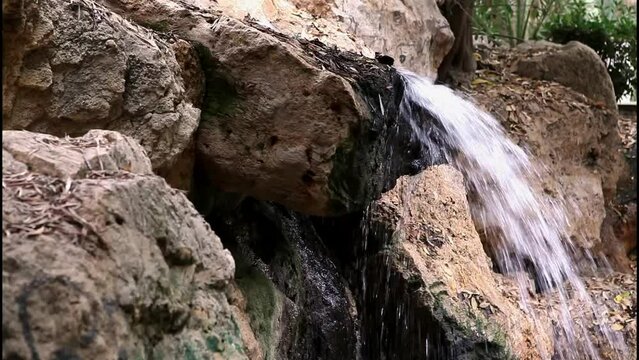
(411, 278)
(399, 318)
(298, 304)
(384, 59)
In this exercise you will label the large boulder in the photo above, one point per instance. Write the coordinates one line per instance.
(574, 65)
(430, 267)
(575, 143)
(319, 142)
(69, 67)
(286, 120)
(289, 120)
(413, 32)
(106, 264)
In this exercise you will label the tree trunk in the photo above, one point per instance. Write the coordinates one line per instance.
(459, 64)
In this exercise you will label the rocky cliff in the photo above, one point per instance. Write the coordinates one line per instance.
(230, 180)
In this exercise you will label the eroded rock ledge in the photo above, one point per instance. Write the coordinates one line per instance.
(296, 123)
(106, 263)
(279, 119)
(73, 66)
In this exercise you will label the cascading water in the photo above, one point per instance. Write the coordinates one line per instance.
(530, 227)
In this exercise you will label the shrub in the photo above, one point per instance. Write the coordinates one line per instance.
(609, 29)
(511, 21)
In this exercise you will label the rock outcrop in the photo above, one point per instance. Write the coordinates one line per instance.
(325, 141)
(291, 149)
(576, 140)
(574, 65)
(413, 32)
(106, 263)
(70, 67)
(431, 267)
(315, 142)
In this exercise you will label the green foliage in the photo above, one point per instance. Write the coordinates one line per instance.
(159, 26)
(609, 29)
(511, 21)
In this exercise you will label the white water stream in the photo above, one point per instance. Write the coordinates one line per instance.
(531, 227)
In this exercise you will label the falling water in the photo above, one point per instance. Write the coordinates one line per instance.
(530, 227)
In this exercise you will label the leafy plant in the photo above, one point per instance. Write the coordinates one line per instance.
(609, 29)
(513, 21)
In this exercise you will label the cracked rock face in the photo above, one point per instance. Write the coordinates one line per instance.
(72, 66)
(413, 32)
(107, 264)
(432, 267)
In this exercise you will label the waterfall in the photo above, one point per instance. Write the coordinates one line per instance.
(527, 227)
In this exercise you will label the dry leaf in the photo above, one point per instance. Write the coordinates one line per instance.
(481, 81)
(473, 303)
(621, 297)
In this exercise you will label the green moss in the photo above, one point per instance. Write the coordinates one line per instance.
(189, 352)
(220, 94)
(261, 304)
(490, 341)
(344, 188)
(159, 26)
(213, 343)
(236, 327)
(139, 355)
(230, 340)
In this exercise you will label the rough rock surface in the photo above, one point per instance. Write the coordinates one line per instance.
(320, 142)
(270, 138)
(574, 65)
(69, 67)
(567, 132)
(285, 120)
(107, 264)
(97, 150)
(432, 267)
(239, 306)
(413, 32)
(615, 298)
